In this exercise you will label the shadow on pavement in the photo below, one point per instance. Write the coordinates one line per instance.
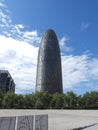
(81, 128)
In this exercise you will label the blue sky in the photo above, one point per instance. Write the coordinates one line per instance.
(22, 24)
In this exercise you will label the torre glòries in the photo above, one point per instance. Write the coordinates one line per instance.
(49, 72)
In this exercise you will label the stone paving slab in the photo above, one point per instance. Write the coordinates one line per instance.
(60, 119)
(25, 123)
(41, 122)
(7, 123)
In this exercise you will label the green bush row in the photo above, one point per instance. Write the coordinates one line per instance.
(44, 100)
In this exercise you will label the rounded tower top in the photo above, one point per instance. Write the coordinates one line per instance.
(49, 34)
(49, 31)
(49, 40)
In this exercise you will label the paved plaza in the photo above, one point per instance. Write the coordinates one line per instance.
(62, 119)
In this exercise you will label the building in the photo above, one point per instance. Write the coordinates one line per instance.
(49, 72)
(6, 82)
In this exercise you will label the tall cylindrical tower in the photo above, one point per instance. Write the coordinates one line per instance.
(49, 73)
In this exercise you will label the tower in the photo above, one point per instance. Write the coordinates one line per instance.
(49, 73)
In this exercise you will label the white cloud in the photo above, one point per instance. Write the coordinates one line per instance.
(93, 68)
(63, 40)
(20, 58)
(84, 26)
(64, 48)
(78, 70)
(5, 20)
(74, 70)
(20, 26)
(31, 37)
(16, 31)
(2, 4)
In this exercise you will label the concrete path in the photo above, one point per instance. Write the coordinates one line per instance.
(61, 119)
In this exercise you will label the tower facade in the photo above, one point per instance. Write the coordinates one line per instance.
(49, 73)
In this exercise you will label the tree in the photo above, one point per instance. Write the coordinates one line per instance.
(39, 104)
(8, 101)
(42, 98)
(90, 100)
(29, 101)
(80, 102)
(70, 100)
(57, 101)
(19, 101)
(94, 97)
